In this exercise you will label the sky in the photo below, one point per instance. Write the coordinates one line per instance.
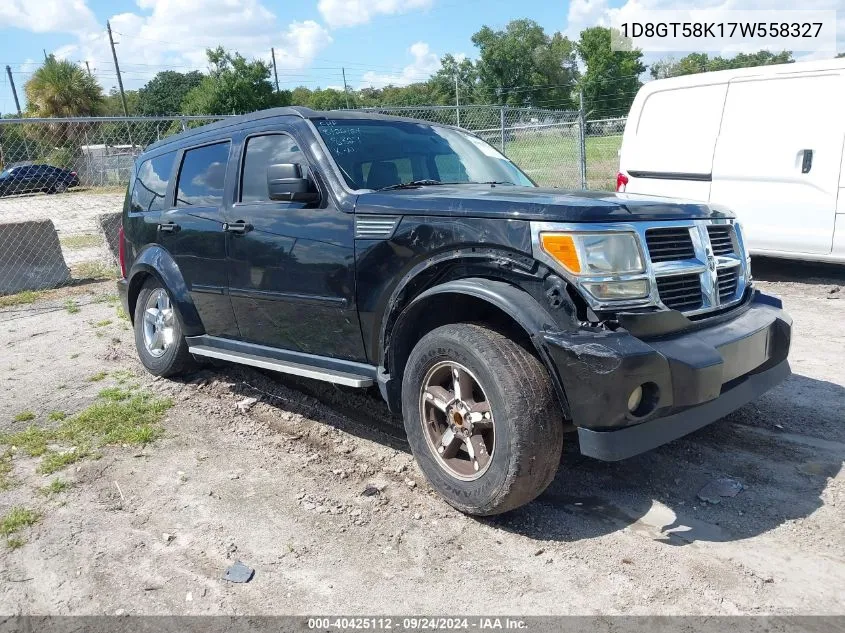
(376, 41)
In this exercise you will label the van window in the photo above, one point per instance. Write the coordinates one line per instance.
(261, 152)
(202, 176)
(677, 130)
(151, 184)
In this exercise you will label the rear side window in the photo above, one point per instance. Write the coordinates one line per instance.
(261, 152)
(150, 188)
(202, 176)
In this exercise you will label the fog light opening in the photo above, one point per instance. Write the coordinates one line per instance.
(643, 399)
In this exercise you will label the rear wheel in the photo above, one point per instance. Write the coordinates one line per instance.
(159, 339)
(481, 418)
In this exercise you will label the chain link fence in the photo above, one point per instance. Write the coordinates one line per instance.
(64, 180)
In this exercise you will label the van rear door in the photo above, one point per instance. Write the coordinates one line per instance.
(669, 140)
(778, 159)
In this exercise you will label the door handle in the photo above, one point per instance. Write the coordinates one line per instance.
(169, 227)
(807, 161)
(239, 228)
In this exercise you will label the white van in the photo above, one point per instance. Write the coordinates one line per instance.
(766, 142)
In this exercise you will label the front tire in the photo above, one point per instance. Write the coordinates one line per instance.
(159, 339)
(481, 418)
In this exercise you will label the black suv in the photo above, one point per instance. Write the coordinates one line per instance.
(495, 315)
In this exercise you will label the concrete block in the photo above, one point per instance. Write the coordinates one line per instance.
(30, 257)
(109, 223)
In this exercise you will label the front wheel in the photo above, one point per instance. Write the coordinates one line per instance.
(481, 418)
(159, 339)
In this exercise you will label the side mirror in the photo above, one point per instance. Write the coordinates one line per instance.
(285, 183)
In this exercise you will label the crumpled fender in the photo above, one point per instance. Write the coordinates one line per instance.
(155, 260)
(520, 305)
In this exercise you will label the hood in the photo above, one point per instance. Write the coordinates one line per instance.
(531, 203)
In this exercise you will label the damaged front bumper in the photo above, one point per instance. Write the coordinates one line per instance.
(688, 380)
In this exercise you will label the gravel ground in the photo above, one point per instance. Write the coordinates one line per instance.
(279, 486)
(73, 213)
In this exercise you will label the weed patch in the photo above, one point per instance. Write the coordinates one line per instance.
(71, 306)
(99, 376)
(32, 441)
(16, 520)
(24, 416)
(19, 299)
(95, 270)
(118, 416)
(103, 323)
(56, 416)
(74, 242)
(55, 487)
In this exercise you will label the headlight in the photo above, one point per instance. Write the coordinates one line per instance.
(617, 290)
(595, 254)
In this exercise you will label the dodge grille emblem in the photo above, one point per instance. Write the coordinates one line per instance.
(711, 261)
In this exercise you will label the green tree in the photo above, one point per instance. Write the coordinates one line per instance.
(442, 83)
(113, 106)
(234, 85)
(60, 88)
(612, 78)
(164, 93)
(700, 63)
(522, 66)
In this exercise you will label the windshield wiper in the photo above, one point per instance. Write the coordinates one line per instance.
(492, 182)
(413, 184)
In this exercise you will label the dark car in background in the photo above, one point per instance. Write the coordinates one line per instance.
(36, 178)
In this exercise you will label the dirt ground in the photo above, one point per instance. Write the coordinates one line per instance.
(151, 530)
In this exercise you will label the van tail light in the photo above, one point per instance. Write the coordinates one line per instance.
(621, 181)
(73, 173)
(121, 252)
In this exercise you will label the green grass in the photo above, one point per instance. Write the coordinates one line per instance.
(21, 298)
(121, 313)
(24, 416)
(32, 441)
(552, 160)
(6, 480)
(118, 416)
(55, 487)
(95, 270)
(98, 377)
(56, 416)
(103, 323)
(54, 461)
(75, 242)
(71, 306)
(16, 520)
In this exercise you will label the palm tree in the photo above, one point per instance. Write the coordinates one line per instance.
(62, 89)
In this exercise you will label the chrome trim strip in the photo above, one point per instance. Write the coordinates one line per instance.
(704, 264)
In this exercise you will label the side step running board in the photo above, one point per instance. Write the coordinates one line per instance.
(281, 366)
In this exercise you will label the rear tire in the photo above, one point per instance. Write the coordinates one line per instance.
(506, 426)
(159, 335)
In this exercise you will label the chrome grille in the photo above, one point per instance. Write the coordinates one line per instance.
(721, 239)
(680, 292)
(669, 244)
(727, 280)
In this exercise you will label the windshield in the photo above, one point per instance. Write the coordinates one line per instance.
(374, 154)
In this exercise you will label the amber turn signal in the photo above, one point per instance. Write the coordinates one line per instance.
(562, 248)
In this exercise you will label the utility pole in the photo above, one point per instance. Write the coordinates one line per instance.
(275, 74)
(117, 70)
(14, 91)
(88, 67)
(457, 101)
(345, 89)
